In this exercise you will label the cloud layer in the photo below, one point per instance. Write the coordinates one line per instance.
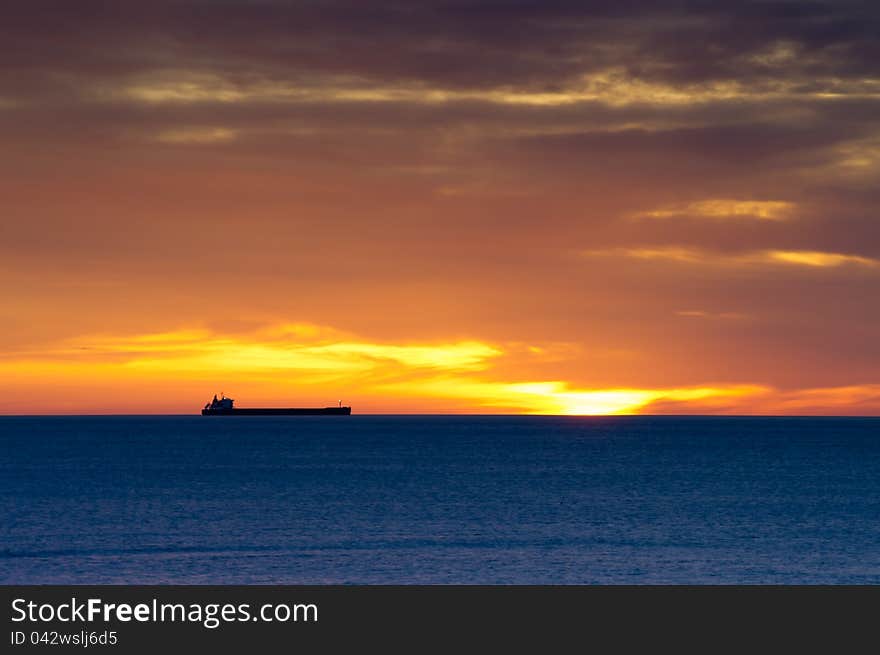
(278, 362)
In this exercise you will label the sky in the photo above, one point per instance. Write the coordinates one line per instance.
(552, 206)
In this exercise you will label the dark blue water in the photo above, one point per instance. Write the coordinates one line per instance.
(395, 499)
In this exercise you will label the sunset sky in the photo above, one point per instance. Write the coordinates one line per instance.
(505, 206)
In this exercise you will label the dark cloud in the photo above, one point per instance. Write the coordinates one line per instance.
(451, 44)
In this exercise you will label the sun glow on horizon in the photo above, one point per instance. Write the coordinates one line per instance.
(315, 362)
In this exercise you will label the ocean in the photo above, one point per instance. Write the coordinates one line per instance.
(439, 499)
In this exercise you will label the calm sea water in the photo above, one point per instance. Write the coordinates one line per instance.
(428, 499)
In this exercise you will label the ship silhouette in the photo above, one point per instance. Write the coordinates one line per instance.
(223, 406)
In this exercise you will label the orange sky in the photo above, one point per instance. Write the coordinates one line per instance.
(520, 208)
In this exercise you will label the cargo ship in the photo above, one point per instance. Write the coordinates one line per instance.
(223, 407)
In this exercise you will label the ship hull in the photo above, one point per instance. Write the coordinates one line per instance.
(279, 411)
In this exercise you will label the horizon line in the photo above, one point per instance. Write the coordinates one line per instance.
(476, 414)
